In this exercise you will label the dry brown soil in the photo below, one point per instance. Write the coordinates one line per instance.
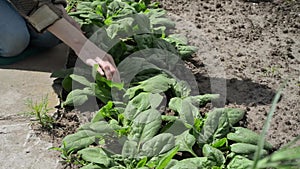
(255, 48)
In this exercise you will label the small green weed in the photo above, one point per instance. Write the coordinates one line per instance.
(271, 71)
(40, 111)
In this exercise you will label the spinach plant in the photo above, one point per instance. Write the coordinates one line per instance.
(157, 122)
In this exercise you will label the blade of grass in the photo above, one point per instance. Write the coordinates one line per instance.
(266, 127)
(291, 143)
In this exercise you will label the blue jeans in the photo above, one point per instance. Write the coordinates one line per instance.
(16, 36)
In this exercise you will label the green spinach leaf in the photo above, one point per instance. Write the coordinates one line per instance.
(78, 97)
(214, 155)
(163, 163)
(95, 155)
(145, 125)
(186, 142)
(239, 162)
(193, 163)
(130, 149)
(243, 135)
(140, 103)
(158, 145)
(246, 149)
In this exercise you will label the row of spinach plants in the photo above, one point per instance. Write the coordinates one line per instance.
(155, 121)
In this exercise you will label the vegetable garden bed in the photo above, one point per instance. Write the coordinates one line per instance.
(156, 118)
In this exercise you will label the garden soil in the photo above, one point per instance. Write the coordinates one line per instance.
(247, 50)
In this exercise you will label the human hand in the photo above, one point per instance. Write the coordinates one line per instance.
(93, 55)
(107, 67)
(86, 50)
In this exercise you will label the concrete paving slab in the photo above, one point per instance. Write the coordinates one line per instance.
(28, 79)
(21, 148)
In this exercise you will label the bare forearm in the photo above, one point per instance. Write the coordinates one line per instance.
(67, 33)
(83, 47)
(54, 18)
(74, 38)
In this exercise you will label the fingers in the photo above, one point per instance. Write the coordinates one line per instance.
(106, 67)
(111, 60)
(92, 62)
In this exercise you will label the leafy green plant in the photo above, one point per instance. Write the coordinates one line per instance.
(98, 86)
(138, 124)
(128, 26)
(285, 157)
(40, 111)
(147, 137)
(156, 123)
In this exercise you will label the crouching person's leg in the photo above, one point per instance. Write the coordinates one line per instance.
(43, 40)
(14, 34)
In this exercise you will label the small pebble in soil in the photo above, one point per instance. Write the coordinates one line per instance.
(291, 56)
(242, 26)
(288, 123)
(239, 55)
(290, 41)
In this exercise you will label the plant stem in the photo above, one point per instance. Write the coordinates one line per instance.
(193, 153)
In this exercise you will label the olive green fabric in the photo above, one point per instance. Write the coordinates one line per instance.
(25, 7)
(43, 17)
(39, 13)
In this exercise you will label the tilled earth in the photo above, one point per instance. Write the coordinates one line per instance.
(247, 50)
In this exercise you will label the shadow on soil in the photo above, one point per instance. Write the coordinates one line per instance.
(241, 92)
(46, 61)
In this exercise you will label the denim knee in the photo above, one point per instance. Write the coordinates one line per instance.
(14, 44)
(14, 36)
(43, 40)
